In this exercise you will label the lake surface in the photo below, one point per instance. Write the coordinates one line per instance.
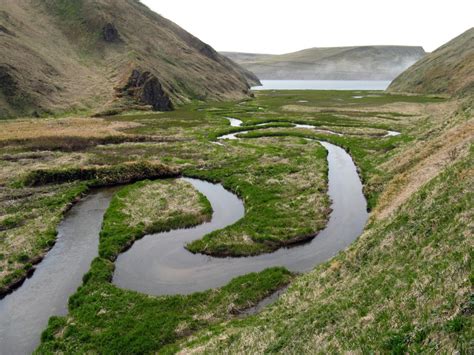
(323, 85)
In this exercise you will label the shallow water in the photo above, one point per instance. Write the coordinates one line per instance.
(234, 122)
(232, 136)
(323, 85)
(392, 134)
(25, 312)
(160, 265)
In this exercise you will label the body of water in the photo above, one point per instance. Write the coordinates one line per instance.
(323, 85)
(160, 265)
(25, 312)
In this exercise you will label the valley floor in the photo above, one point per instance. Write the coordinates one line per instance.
(403, 286)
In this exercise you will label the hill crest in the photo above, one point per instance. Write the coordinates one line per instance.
(331, 63)
(60, 55)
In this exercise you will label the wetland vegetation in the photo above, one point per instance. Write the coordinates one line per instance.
(282, 179)
(154, 199)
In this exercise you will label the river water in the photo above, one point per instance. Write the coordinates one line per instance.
(25, 312)
(159, 264)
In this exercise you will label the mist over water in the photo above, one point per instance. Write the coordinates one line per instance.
(323, 85)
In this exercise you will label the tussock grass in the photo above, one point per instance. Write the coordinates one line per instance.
(31, 210)
(72, 143)
(87, 128)
(283, 185)
(28, 226)
(103, 318)
(403, 287)
(149, 207)
(367, 295)
(100, 176)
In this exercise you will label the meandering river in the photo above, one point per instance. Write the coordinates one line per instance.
(159, 264)
(25, 312)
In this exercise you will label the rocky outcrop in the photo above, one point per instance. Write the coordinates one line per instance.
(110, 33)
(79, 55)
(145, 88)
(5, 30)
(8, 84)
(208, 51)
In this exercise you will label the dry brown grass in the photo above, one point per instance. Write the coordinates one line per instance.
(60, 62)
(14, 166)
(407, 108)
(67, 127)
(31, 216)
(158, 201)
(420, 163)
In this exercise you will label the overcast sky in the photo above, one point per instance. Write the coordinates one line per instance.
(282, 26)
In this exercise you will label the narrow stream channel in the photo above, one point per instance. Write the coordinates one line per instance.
(25, 312)
(159, 264)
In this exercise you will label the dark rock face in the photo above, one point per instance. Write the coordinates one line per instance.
(208, 51)
(5, 30)
(145, 87)
(110, 33)
(8, 85)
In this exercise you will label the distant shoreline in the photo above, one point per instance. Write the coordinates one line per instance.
(322, 85)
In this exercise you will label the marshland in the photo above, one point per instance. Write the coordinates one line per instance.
(155, 198)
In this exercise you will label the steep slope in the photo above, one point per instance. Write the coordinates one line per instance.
(448, 70)
(60, 55)
(366, 62)
(405, 285)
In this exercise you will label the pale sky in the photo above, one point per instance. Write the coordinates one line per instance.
(282, 26)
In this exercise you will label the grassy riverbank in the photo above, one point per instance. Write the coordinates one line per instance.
(403, 287)
(105, 319)
(31, 209)
(278, 174)
(28, 223)
(148, 207)
(283, 185)
(275, 176)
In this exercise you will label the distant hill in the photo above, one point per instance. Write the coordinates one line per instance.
(338, 63)
(95, 55)
(447, 70)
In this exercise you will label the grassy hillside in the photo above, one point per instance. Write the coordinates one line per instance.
(403, 287)
(102, 55)
(364, 62)
(447, 70)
